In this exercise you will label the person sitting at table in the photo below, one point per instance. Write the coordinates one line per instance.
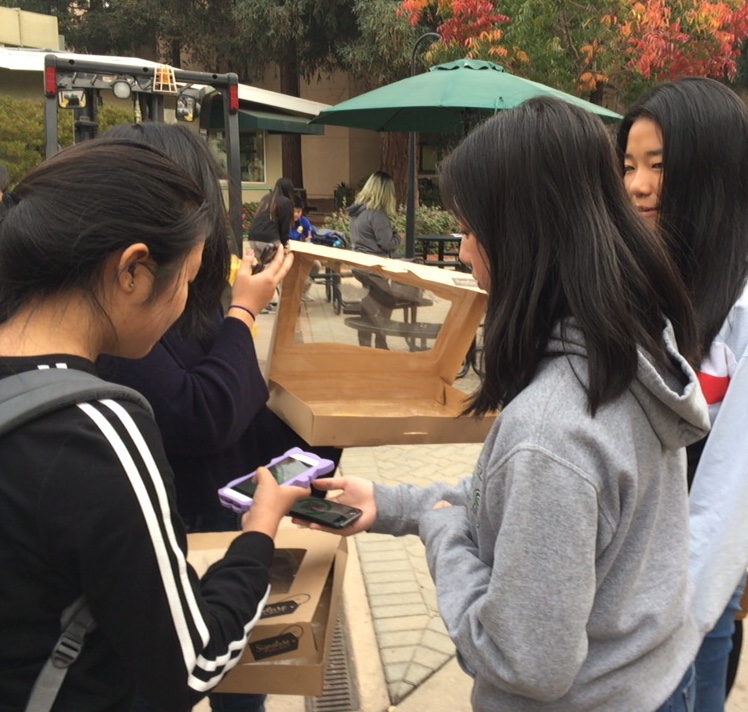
(371, 214)
(302, 230)
(301, 227)
(371, 232)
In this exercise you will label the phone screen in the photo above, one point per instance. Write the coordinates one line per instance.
(283, 471)
(286, 469)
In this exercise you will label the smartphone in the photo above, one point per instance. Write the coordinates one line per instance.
(293, 467)
(265, 257)
(327, 514)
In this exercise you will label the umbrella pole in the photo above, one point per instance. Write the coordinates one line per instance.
(410, 204)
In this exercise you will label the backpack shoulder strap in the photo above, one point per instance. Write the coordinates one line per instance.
(77, 621)
(28, 395)
(24, 397)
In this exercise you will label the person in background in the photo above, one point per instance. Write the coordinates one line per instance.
(303, 231)
(373, 209)
(203, 377)
(561, 566)
(301, 228)
(96, 256)
(371, 214)
(683, 149)
(272, 221)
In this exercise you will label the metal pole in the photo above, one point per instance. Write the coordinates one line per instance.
(410, 205)
(50, 105)
(231, 123)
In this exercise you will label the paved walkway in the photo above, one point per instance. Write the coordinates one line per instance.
(412, 640)
(402, 654)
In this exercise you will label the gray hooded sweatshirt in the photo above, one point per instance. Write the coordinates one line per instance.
(561, 569)
(371, 231)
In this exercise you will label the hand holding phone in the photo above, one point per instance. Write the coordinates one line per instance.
(353, 493)
(294, 467)
(271, 503)
(265, 257)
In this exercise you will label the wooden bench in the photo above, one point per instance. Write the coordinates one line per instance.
(415, 333)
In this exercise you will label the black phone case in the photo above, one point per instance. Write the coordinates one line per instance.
(313, 509)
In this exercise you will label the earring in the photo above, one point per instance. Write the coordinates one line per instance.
(132, 284)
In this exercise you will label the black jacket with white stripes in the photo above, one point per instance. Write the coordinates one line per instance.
(87, 506)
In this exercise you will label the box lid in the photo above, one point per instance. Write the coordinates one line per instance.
(373, 358)
(456, 309)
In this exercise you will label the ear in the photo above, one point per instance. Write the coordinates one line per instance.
(128, 262)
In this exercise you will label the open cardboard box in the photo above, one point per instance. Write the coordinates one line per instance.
(332, 391)
(289, 648)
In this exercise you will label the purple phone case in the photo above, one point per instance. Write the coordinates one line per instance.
(229, 499)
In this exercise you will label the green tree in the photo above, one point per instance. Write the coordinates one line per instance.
(104, 26)
(303, 38)
(207, 30)
(587, 47)
(380, 54)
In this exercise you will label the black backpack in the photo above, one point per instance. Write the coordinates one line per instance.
(24, 397)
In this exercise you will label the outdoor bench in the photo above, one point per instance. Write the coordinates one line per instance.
(415, 333)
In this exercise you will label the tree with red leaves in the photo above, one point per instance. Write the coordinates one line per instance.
(587, 46)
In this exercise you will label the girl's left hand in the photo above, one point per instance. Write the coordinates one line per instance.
(355, 492)
(254, 291)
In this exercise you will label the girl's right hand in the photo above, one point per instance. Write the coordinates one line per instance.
(272, 502)
(356, 492)
(255, 291)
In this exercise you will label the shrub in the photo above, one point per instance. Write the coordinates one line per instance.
(339, 221)
(22, 145)
(430, 220)
(112, 115)
(22, 141)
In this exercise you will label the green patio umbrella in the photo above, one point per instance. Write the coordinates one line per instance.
(449, 98)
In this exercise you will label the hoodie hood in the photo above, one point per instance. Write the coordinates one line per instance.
(660, 396)
(356, 209)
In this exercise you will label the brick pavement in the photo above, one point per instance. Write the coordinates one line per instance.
(412, 639)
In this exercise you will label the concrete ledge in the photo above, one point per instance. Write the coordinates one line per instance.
(371, 684)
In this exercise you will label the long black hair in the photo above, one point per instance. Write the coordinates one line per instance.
(199, 319)
(283, 188)
(82, 206)
(703, 206)
(539, 188)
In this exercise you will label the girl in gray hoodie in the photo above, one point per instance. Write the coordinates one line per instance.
(561, 565)
(372, 233)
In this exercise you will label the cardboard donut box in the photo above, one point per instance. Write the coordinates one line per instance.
(289, 648)
(333, 391)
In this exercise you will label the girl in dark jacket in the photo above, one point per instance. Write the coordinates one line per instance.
(272, 221)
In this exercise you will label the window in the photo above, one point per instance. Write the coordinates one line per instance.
(251, 153)
(434, 147)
